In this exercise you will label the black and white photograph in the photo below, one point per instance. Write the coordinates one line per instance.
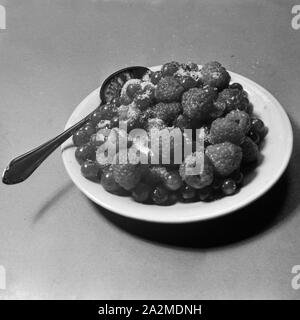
(150, 150)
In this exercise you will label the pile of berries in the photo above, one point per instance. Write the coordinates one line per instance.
(181, 96)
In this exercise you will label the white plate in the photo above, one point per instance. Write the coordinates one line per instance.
(276, 153)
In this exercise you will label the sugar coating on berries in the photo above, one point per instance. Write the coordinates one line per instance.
(232, 99)
(179, 96)
(223, 129)
(168, 89)
(167, 112)
(197, 170)
(241, 118)
(197, 103)
(155, 123)
(225, 157)
(215, 75)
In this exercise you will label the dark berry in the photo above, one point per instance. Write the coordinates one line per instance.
(169, 68)
(155, 77)
(108, 182)
(254, 136)
(204, 194)
(188, 192)
(89, 129)
(159, 195)
(239, 177)
(85, 152)
(90, 170)
(133, 89)
(257, 125)
(141, 192)
(108, 111)
(236, 85)
(96, 117)
(114, 122)
(173, 181)
(115, 102)
(80, 138)
(172, 199)
(229, 187)
(217, 183)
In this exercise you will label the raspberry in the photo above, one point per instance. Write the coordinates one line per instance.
(222, 130)
(169, 68)
(232, 99)
(241, 118)
(205, 176)
(225, 157)
(250, 150)
(155, 123)
(197, 103)
(167, 112)
(168, 90)
(127, 175)
(215, 75)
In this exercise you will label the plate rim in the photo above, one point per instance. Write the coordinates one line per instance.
(188, 219)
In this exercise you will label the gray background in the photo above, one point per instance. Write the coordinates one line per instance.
(54, 242)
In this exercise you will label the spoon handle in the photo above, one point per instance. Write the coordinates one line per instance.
(20, 168)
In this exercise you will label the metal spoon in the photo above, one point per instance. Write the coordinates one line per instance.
(20, 168)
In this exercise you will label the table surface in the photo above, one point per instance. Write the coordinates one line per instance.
(54, 242)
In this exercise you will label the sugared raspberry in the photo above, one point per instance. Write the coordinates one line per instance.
(197, 103)
(223, 129)
(204, 175)
(168, 90)
(127, 175)
(225, 157)
(232, 99)
(167, 112)
(241, 118)
(215, 75)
